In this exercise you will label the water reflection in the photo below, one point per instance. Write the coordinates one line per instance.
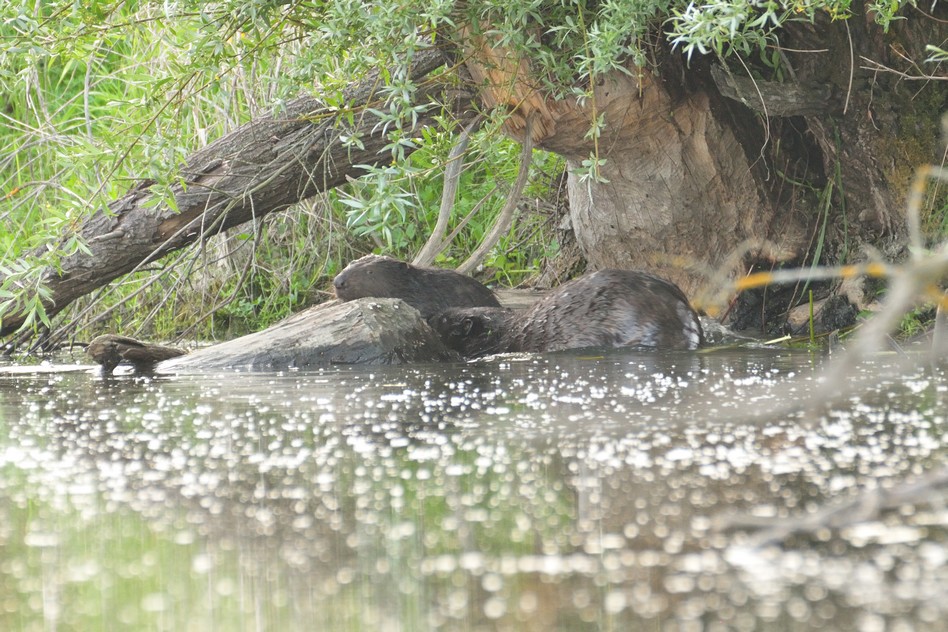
(566, 492)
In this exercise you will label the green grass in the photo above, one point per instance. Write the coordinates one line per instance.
(103, 96)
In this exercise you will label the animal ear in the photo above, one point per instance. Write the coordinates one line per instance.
(469, 325)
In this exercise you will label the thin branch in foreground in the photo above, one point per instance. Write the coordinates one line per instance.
(931, 489)
(918, 279)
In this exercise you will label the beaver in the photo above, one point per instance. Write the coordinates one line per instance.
(110, 350)
(429, 290)
(609, 308)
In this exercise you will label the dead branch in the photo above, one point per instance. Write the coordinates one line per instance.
(506, 216)
(874, 66)
(452, 176)
(771, 97)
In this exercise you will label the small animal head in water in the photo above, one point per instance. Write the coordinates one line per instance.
(473, 331)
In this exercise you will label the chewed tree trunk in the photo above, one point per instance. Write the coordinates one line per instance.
(678, 192)
(702, 159)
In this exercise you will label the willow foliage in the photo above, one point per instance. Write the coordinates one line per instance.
(96, 93)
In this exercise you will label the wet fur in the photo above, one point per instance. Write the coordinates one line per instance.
(429, 290)
(609, 308)
(474, 331)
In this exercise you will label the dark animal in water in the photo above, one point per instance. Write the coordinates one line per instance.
(429, 290)
(609, 308)
(110, 351)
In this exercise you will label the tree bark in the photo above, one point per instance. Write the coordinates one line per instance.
(364, 331)
(886, 123)
(680, 192)
(677, 192)
(263, 166)
(699, 162)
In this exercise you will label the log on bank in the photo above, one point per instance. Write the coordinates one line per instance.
(371, 331)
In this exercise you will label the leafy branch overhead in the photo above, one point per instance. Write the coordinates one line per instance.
(107, 104)
(263, 166)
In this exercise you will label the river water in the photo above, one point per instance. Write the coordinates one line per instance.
(566, 491)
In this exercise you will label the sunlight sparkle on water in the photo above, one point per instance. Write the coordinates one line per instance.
(465, 496)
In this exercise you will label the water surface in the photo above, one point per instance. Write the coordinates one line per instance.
(568, 491)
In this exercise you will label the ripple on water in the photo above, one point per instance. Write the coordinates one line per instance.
(563, 491)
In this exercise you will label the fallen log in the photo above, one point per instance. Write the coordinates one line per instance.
(368, 331)
(265, 165)
(362, 331)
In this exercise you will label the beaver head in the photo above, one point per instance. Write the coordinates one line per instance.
(429, 290)
(375, 276)
(473, 331)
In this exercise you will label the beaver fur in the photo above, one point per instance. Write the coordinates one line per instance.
(609, 308)
(110, 350)
(429, 290)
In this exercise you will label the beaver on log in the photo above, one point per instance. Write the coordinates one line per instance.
(429, 290)
(609, 308)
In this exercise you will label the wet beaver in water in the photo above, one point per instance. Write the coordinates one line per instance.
(609, 308)
(429, 290)
(110, 351)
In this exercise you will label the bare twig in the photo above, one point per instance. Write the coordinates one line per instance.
(877, 67)
(506, 216)
(452, 176)
(869, 505)
(852, 69)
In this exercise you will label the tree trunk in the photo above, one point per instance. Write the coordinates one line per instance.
(263, 166)
(701, 159)
(679, 191)
(887, 123)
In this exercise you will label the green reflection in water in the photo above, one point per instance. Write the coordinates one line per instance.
(563, 493)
